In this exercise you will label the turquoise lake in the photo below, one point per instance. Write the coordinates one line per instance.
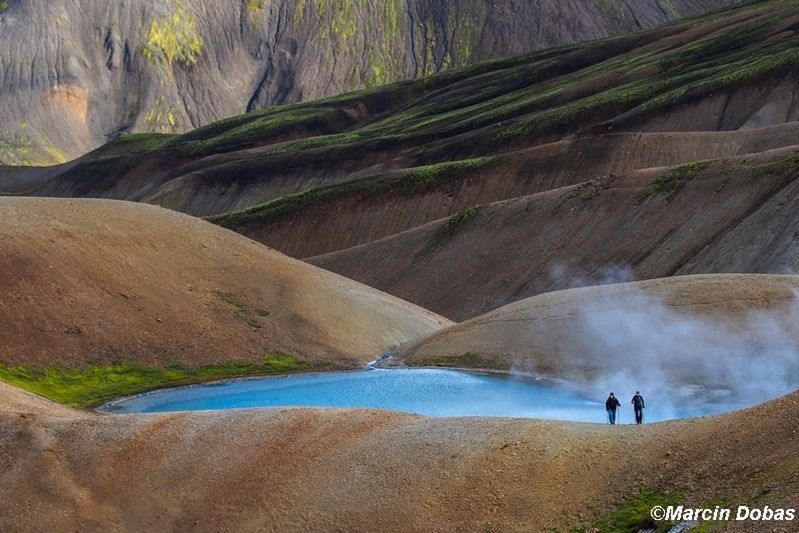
(431, 392)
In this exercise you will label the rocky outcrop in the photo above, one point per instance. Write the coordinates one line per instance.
(74, 73)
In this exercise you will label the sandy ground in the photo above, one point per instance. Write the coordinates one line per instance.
(102, 281)
(333, 470)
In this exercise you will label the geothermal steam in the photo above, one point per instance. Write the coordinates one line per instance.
(679, 360)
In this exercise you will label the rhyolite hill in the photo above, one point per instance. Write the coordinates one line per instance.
(479, 186)
(123, 297)
(74, 73)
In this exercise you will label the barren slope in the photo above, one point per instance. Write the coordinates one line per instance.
(731, 215)
(94, 281)
(367, 470)
(685, 329)
(76, 72)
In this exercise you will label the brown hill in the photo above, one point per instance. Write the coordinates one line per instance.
(369, 470)
(732, 331)
(728, 215)
(93, 281)
(74, 73)
(340, 217)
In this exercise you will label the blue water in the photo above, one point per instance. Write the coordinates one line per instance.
(431, 392)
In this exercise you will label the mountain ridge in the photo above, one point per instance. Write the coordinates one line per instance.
(77, 73)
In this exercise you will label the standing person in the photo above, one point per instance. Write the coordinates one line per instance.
(611, 404)
(638, 405)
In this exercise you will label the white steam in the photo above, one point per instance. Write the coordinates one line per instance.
(685, 364)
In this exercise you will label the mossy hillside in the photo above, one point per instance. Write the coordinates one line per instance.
(407, 182)
(456, 222)
(92, 385)
(339, 23)
(673, 180)
(173, 38)
(496, 107)
(253, 6)
(625, 79)
(329, 116)
(547, 93)
(21, 145)
(142, 142)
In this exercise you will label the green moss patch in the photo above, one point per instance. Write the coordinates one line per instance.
(92, 385)
(456, 222)
(411, 181)
(173, 38)
(143, 142)
(634, 515)
(673, 180)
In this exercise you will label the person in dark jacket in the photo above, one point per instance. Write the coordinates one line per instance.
(638, 406)
(611, 404)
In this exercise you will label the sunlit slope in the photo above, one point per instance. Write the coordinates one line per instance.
(74, 74)
(731, 70)
(301, 469)
(725, 331)
(99, 282)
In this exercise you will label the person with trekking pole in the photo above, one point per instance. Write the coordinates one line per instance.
(611, 405)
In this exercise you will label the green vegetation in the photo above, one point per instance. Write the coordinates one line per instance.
(92, 385)
(24, 146)
(143, 142)
(253, 6)
(173, 38)
(787, 165)
(3, 5)
(261, 126)
(634, 515)
(15, 150)
(411, 181)
(162, 116)
(673, 180)
(456, 222)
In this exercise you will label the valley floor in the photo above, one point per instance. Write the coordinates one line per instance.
(303, 469)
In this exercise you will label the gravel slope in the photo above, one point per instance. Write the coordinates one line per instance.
(98, 281)
(368, 470)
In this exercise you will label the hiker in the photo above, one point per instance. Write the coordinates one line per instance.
(611, 404)
(638, 405)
